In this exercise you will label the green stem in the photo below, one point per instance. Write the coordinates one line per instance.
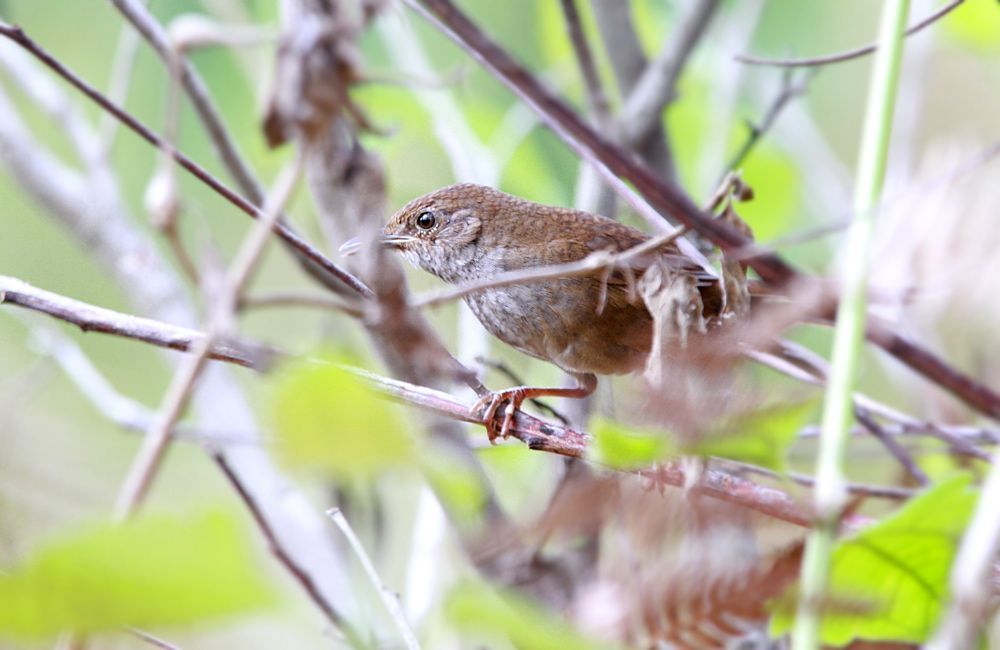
(838, 414)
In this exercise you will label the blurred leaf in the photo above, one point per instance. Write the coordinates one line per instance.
(888, 582)
(624, 449)
(329, 420)
(457, 485)
(976, 24)
(152, 571)
(477, 609)
(760, 438)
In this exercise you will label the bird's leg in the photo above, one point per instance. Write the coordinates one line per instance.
(490, 403)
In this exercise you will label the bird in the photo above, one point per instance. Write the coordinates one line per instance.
(587, 325)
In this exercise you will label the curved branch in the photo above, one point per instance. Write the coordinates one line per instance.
(847, 55)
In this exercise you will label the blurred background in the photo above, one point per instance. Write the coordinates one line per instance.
(440, 118)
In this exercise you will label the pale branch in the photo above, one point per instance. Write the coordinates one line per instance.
(90, 318)
(285, 232)
(150, 456)
(534, 432)
(596, 261)
(657, 86)
(847, 55)
(669, 199)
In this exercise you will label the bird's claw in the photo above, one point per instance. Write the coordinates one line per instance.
(490, 403)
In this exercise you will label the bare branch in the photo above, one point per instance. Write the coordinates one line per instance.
(147, 461)
(656, 88)
(105, 321)
(287, 234)
(848, 55)
(597, 100)
(544, 436)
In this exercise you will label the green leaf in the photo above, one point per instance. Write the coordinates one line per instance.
(889, 581)
(329, 420)
(152, 571)
(976, 24)
(479, 610)
(760, 438)
(624, 449)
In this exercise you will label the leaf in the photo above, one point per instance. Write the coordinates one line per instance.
(151, 571)
(760, 438)
(329, 420)
(889, 581)
(623, 449)
(480, 610)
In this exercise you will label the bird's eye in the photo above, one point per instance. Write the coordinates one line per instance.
(425, 220)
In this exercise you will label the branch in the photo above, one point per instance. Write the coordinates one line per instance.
(656, 88)
(286, 233)
(671, 200)
(534, 432)
(97, 319)
(158, 435)
(848, 55)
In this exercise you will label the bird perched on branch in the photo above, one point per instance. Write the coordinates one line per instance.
(594, 320)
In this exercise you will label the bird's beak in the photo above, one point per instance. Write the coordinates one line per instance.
(353, 245)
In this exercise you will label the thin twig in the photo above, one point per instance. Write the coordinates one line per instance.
(897, 450)
(595, 261)
(597, 99)
(152, 639)
(281, 554)
(298, 299)
(848, 55)
(860, 489)
(790, 89)
(512, 376)
(97, 319)
(147, 461)
(287, 234)
(389, 599)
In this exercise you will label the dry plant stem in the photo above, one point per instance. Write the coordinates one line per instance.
(287, 234)
(389, 599)
(586, 266)
(612, 160)
(278, 550)
(157, 438)
(848, 55)
(299, 299)
(830, 495)
(97, 319)
(153, 640)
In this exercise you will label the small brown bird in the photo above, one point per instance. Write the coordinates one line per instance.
(587, 325)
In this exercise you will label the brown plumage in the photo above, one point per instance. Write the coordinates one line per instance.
(585, 325)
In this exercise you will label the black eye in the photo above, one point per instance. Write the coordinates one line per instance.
(425, 220)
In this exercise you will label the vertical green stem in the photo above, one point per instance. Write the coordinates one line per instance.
(831, 492)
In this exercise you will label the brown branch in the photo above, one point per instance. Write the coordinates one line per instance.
(286, 233)
(105, 321)
(597, 99)
(848, 55)
(670, 200)
(281, 554)
(892, 445)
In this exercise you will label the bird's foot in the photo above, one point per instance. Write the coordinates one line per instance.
(489, 405)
